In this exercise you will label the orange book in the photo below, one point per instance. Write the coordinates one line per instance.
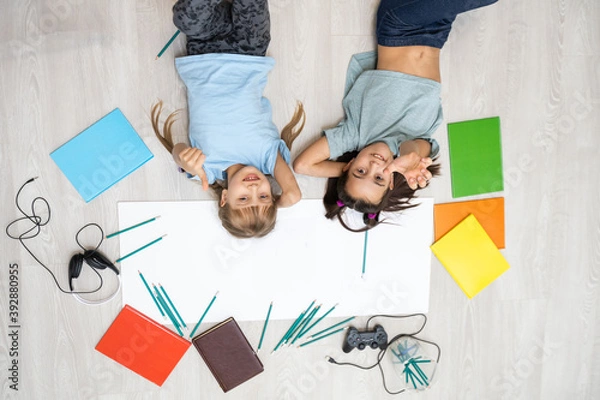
(142, 345)
(489, 213)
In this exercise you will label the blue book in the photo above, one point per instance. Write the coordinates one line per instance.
(101, 155)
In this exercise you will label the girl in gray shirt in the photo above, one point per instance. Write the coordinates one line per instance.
(382, 151)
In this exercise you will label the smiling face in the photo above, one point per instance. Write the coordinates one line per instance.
(246, 188)
(366, 179)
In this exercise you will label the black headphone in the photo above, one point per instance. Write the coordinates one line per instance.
(92, 258)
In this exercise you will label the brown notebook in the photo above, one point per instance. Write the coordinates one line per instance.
(228, 354)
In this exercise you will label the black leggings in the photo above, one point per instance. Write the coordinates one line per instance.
(224, 26)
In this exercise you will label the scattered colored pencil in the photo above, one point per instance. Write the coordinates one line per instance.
(364, 264)
(332, 326)
(317, 321)
(204, 314)
(262, 335)
(290, 329)
(168, 311)
(164, 292)
(140, 249)
(293, 327)
(322, 337)
(152, 294)
(168, 44)
(305, 322)
(132, 227)
(299, 324)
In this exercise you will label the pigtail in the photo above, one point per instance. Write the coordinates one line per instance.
(291, 131)
(166, 136)
(371, 220)
(331, 198)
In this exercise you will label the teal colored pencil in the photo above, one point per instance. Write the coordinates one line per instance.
(262, 335)
(165, 306)
(132, 227)
(333, 326)
(168, 44)
(204, 314)
(172, 305)
(140, 249)
(151, 294)
(409, 373)
(294, 324)
(309, 307)
(364, 265)
(322, 337)
(299, 324)
(421, 373)
(168, 311)
(306, 322)
(413, 375)
(317, 321)
(293, 327)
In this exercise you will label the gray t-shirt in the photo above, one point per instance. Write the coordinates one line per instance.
(384, 106)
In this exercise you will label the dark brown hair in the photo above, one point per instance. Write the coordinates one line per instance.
(337, 199)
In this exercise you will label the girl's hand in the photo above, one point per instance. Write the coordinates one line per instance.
(414, 169)
(191, 160)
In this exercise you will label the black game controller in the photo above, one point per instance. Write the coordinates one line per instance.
(374, 339)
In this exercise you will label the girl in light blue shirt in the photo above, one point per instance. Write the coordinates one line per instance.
(234, 142)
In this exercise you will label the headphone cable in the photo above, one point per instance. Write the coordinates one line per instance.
(37, 223)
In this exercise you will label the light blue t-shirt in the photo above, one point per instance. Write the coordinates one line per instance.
(229, 119)
(384, 106)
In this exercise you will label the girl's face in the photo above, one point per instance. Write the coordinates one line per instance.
(366, 179)
(247, 187)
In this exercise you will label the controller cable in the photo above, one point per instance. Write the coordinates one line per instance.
(382, 351)
(92, 257)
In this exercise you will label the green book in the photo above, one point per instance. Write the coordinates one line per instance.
(475, 157)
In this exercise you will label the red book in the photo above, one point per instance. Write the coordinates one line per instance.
(142, 345)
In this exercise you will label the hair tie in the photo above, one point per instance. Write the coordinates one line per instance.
(372, 216)
(340, 203)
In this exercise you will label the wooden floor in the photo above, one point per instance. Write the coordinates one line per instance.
(533, 334)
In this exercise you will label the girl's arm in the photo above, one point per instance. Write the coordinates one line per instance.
(419, 146)
(314, 161)
(290, 191)
(191, 160)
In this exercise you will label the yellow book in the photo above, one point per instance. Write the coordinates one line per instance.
(470, 256)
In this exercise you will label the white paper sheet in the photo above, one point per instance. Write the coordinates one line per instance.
(305, 258)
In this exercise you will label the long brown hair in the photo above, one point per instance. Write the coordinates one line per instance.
(255, 221)
(337, 199)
